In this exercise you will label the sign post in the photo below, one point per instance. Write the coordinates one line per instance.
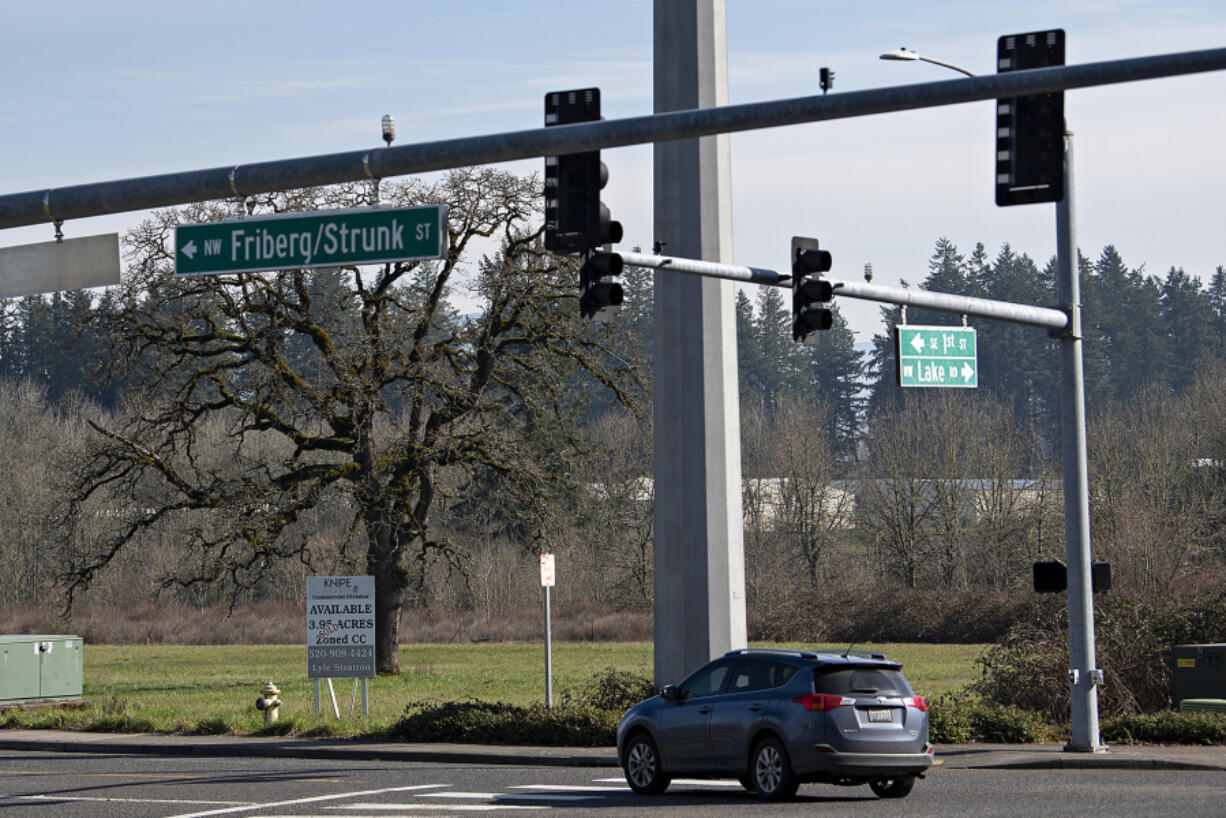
(546, 584)
(340, 634)
(937, 356)
(330, 238)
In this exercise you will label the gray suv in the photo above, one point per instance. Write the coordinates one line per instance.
(776, 718)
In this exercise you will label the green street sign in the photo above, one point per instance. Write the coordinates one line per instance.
(937, 356)
(330, 238)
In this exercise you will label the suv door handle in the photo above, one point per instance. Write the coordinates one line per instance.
(756, 707)
(705, 709)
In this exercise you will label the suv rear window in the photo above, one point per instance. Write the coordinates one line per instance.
(868, 681)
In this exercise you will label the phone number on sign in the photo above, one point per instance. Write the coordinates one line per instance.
(340, 653)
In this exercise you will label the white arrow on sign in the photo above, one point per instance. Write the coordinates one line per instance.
(917, 341)
(967, 372)
(189, 249)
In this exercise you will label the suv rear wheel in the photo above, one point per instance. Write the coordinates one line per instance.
(893, 787)
(771, 771)
(642, 765)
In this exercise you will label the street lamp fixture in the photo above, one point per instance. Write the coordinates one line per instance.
(911, 56)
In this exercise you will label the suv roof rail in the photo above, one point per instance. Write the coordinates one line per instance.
(803, 654)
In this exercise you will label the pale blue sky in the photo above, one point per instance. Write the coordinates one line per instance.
(99, 91)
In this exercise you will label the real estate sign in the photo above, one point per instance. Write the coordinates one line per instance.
(340, 624)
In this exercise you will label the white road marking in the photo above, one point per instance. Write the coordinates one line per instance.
(507, 796)
(685, 782)
(183, 801)
(312, 800)
(438, 808)
(569, 788)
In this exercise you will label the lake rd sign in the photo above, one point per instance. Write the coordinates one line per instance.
(340, 624)
(937, 356)
(330, 238)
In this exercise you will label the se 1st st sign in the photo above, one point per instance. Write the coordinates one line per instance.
(331, 238)
(340, 627)
(937, 356)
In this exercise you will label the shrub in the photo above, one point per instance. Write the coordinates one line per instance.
(613, 689)
(956, 718)
(950, 720)
(1166, 727)
(473, 721)
(1029, 669)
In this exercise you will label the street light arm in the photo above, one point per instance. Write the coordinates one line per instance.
(947, 65)
(911, 56)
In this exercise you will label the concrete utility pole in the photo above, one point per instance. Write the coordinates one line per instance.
(699, 548)
(1084, 676)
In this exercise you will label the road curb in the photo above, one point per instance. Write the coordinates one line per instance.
(948, 757)
(1091, 763)
(314, 748)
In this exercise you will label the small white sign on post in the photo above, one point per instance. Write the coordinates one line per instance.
(546, 584)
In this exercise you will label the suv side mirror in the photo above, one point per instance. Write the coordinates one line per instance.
(670, 693)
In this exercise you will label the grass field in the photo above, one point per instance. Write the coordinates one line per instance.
(167, 688)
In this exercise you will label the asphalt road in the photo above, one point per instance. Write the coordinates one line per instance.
(69, 784)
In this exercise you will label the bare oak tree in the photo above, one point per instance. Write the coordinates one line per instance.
(356, 385)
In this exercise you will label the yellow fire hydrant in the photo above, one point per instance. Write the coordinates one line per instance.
(269, 703)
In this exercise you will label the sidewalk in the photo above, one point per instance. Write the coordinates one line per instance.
(951, 756)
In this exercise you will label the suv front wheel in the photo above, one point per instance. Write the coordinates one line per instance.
(642, 765)
(771, 771)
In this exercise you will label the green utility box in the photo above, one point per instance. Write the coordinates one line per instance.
(1199, 672)
(34, 668)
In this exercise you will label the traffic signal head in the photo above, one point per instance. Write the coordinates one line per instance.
(575, 219)
(1050, 577)
(809, 291)
(599, 294)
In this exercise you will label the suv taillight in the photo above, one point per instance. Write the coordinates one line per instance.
(822, 701)
(918, 702)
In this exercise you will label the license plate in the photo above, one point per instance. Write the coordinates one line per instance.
(880, 714)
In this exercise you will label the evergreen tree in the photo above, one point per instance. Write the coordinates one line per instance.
(638, 313)
(777, 359)
(36, 351)
(1188, 318)
(947, 273)
(978, 271)
(1217, 302)
(882, 368)
(746, 348)
(71, 312)
(1016, 362)
(835, 372)
(1128, 324)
